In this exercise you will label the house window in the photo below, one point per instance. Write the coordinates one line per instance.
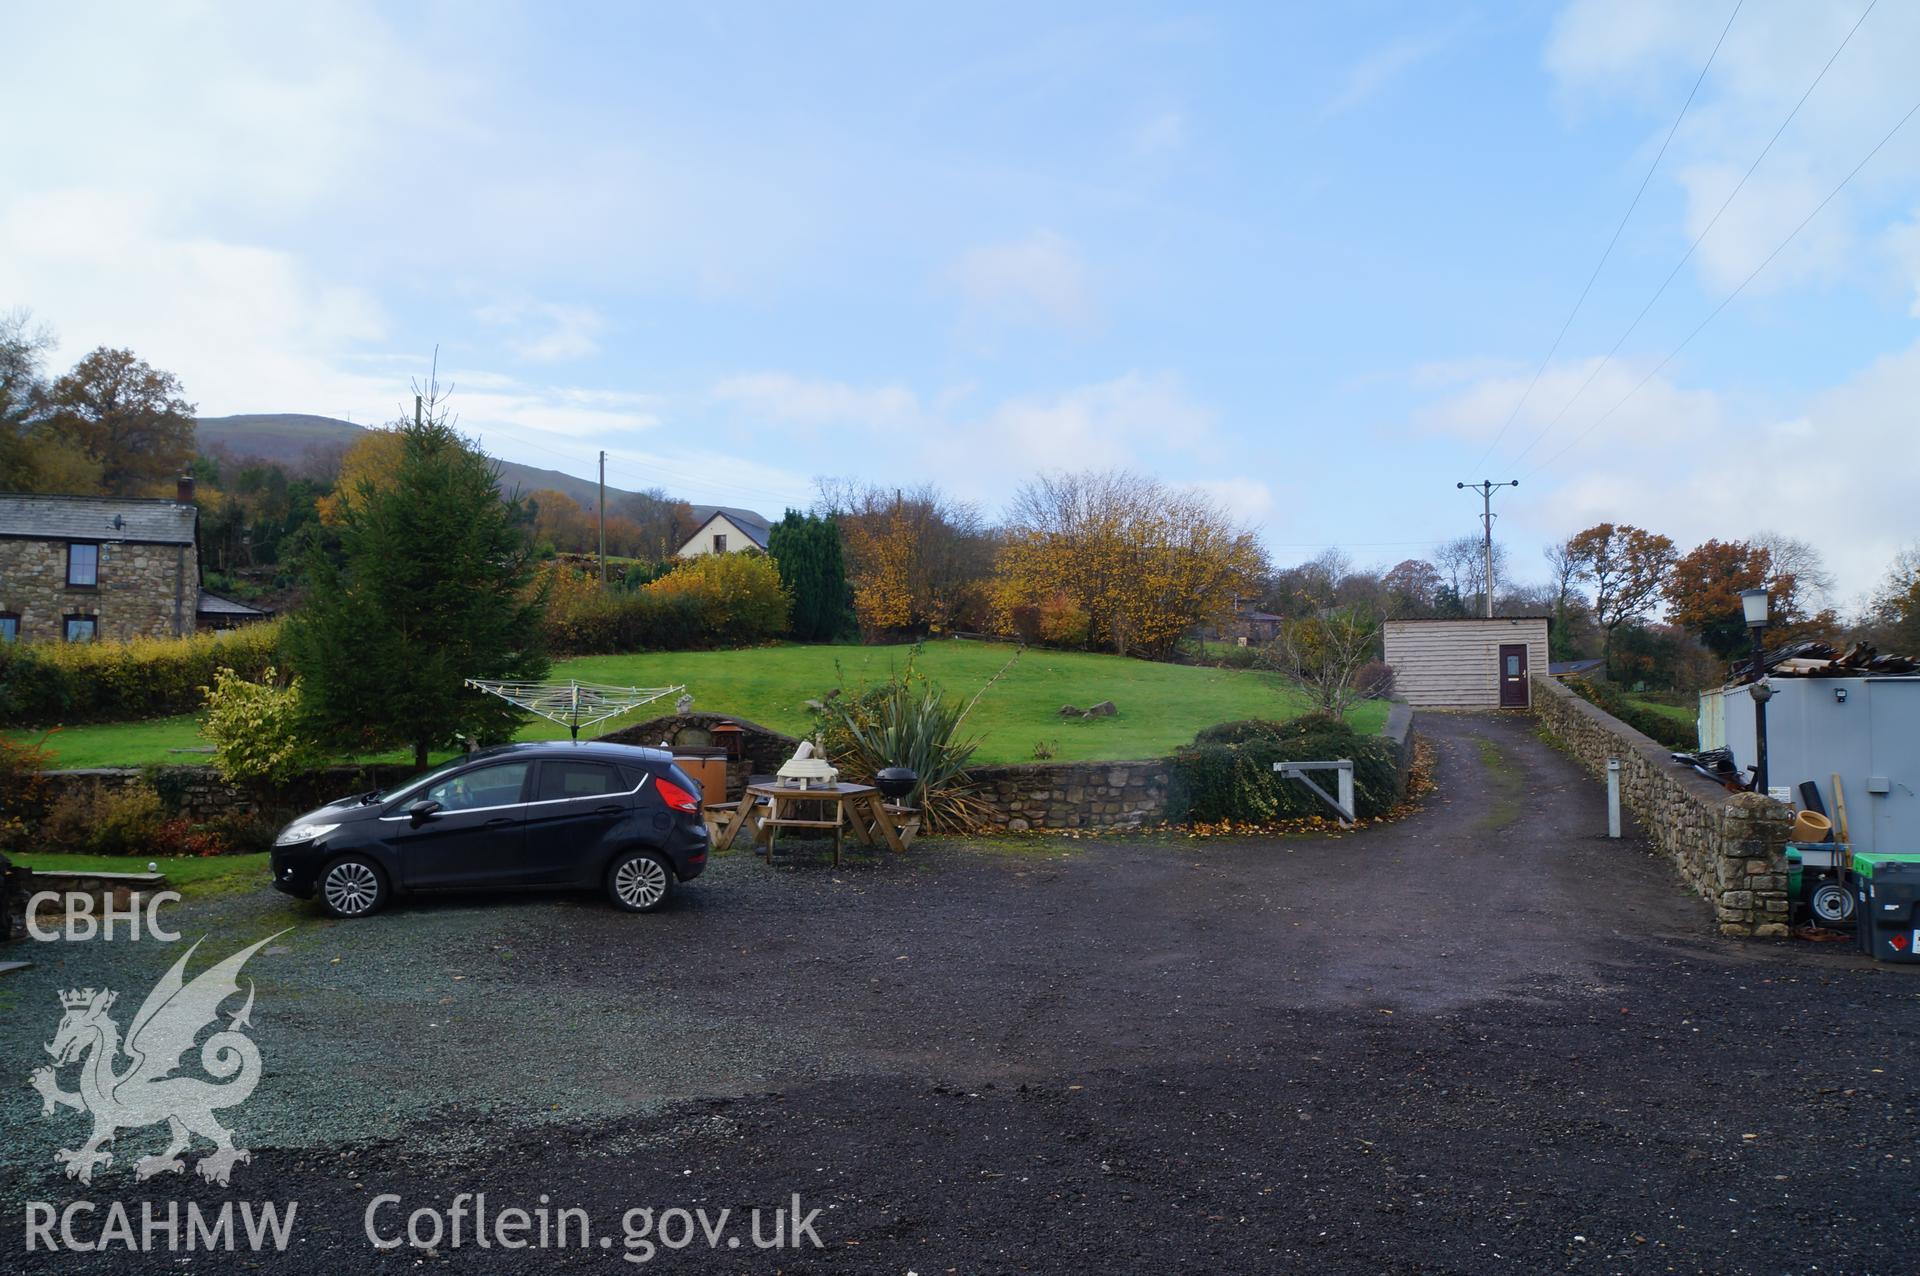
(9, 626)
(82, 628)
(719, 542)
(83, 565)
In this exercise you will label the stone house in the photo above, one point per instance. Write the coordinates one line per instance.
(77, 568)
(725, 529)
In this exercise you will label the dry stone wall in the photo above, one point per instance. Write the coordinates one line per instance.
(1730, 847)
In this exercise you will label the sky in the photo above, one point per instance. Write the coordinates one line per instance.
(1312, 259)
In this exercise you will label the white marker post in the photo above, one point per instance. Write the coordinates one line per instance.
(1613, 797)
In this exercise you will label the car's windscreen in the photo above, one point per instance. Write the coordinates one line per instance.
(438, 773)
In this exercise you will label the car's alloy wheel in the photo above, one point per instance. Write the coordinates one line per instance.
(1831, 903)
(352, 888)
(639, 883)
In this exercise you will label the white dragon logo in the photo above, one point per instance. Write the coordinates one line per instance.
(145, 1091)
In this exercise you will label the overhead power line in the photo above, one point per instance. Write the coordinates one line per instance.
(1675, 352)
(1608, 252)
(1687, 256)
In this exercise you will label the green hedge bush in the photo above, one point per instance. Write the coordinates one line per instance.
(1226, 774)
(1605, 695)
(716, 600)
(46, 683)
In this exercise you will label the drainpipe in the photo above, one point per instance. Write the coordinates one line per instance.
(179, 592)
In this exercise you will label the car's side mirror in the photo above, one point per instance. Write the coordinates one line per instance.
(425, 809)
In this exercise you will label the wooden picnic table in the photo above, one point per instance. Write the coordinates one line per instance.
(859, 806)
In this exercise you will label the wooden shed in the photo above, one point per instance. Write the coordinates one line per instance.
(1474, 662)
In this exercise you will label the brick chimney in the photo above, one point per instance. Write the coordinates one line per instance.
(183, 489)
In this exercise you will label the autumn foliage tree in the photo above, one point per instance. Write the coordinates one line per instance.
(1138, 564)
(1703, 596)
(915, 558)
(125, 415)
(1627, 566)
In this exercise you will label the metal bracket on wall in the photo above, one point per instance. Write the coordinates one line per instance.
(1344, 781)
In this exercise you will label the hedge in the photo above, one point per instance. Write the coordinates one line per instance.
(1675, 735)
(43, 684)
(1227, 772)
(717, 600)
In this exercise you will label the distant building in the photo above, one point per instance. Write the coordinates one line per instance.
(725, 529)
(1591, 670)
(77, 568)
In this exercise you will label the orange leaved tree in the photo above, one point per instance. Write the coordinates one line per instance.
(1136, 563)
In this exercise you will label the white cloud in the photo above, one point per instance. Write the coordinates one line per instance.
(1164, 132)
(792, 400)
(1249, 500)
(1038, 277)
(246, 328)
(1839, 472)
(1647, 53)
(1368, 78)
(542, 332)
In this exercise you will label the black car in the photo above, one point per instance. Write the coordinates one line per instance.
(562, 815)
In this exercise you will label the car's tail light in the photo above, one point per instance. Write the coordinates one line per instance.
(676, 797)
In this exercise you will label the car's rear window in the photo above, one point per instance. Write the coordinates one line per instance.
(562, 780)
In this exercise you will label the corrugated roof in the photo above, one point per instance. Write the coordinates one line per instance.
(95, 518)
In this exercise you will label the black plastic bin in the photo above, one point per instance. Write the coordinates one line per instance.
(1886, 911)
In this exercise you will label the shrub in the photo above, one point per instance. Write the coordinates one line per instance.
(1226, 774)
(254, 729)
(694, 607)
(740, 596)
(1374, 679)
(131, 821)
(21, 788)
(114, 681)
(909, 722)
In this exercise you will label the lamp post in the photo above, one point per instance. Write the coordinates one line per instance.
(1753, 602)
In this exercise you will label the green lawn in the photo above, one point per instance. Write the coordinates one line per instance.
(1677, 713)
(188, 874)
(1160, 705)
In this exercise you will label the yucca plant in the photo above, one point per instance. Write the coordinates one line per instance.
(908, 721)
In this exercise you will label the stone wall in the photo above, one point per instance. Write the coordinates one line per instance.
(1730, 847)
(199, 794)
(144, 591)
(1073, 795)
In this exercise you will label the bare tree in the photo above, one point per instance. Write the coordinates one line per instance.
(1322, 653)
(1791, 556)
(1462, 562)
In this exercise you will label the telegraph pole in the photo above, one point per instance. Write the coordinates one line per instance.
(1486, 488)
(603, 522)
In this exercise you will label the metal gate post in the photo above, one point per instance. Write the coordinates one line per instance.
(1613, 797)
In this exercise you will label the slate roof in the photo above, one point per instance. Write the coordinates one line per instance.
(31, 516)
(1562, 668)
(215, 605)
(754, 525)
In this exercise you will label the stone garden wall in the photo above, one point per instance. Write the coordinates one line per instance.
(201, 796)
(1073, 795)
(1730, 847)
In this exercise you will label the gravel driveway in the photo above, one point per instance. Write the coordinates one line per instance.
(1480, 1039)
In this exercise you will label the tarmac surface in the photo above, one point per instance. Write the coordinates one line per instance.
(1482, 1038)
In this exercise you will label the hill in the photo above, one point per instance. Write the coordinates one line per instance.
(288, 437)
